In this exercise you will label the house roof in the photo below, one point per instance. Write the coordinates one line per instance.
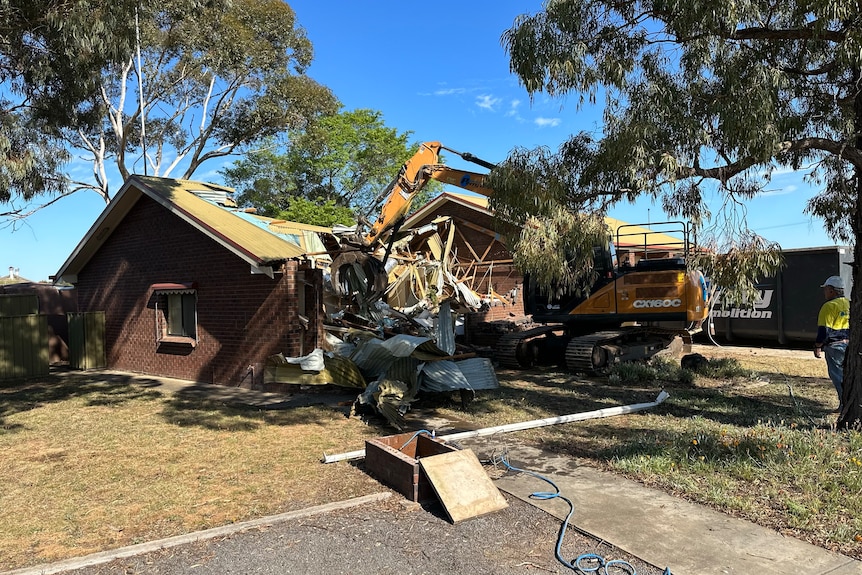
(632, 234)
(258, 241)
(13, 280)
(479, 203)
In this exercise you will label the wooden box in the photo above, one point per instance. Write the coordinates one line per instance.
(395, 464)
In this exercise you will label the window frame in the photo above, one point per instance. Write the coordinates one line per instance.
(173, 296)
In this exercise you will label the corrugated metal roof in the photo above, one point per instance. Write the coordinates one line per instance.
(223, 225)
(238, 232)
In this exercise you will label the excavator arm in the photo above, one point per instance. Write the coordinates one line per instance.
(414, 175)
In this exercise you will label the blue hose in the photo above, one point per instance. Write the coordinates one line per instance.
(415, 435)
(587, 562)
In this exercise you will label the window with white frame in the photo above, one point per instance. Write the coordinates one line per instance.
(182, 315)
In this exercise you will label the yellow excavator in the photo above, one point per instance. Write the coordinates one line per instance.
(639, 306)
(353, 262)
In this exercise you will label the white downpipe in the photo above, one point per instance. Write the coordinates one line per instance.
(597, 414)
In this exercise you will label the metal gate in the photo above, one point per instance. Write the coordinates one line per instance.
(87, 340)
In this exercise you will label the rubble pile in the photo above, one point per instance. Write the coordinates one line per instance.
(391, 324)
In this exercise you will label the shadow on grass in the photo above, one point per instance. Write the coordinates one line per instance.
(735, 404)
(194, 407)
(96, 388)
(203, 405)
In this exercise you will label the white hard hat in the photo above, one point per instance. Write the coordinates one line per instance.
(834, 282)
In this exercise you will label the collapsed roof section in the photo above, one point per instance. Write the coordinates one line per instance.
(422, 270)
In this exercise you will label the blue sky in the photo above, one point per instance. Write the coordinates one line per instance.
(436, 70)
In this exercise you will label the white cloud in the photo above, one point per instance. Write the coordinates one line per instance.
(547, 122)
(784, 190)
(513, 110)
(449, 91)
(487, 102)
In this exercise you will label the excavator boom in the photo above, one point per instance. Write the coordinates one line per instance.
(414, 175)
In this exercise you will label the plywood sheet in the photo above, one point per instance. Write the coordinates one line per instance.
(462, 485)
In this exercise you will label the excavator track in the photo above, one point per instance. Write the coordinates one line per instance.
(596, 351)
(513, 351)
(585, 353)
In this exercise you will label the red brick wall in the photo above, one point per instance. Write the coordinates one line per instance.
(241, 318)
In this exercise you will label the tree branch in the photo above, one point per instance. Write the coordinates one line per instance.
(760, 33)
(731, 169)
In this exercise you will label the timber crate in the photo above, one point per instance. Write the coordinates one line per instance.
(397, 465)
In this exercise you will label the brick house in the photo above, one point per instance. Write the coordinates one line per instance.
(193, 288)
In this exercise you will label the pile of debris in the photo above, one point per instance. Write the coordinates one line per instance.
(390, 372)
(399, 288)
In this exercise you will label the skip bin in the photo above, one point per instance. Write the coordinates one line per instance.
(786, 311)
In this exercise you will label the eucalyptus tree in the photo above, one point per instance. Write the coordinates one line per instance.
(702, 97)
(52, 55)
(205, 82)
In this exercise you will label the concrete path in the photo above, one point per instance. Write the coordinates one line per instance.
(661, 529)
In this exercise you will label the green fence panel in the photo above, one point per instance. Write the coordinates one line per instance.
(23, 347)
(18, 304)
(87, 340)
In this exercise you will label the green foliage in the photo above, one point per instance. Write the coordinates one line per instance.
(320, 212)
(700, 97)
(734, 268)
(348, 158)
(31, 162)
(666, 370)
(217, 78)
(265, 179)
(558, 250)
(724, 368)
(51, 60)
(658, 369)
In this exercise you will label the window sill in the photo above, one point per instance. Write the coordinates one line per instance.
(178, 340)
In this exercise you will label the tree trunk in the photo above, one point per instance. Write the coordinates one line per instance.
(851, 397)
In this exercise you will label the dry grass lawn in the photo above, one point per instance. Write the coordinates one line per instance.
(94, 461)
(91, 464)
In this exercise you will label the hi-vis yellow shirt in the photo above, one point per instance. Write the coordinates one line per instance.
(835, 317)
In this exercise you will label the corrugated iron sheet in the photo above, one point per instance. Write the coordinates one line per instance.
(446, 328)
(479, 371)
(474, 373)
(374, 356)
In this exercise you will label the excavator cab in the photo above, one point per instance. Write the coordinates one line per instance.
(552, 305)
